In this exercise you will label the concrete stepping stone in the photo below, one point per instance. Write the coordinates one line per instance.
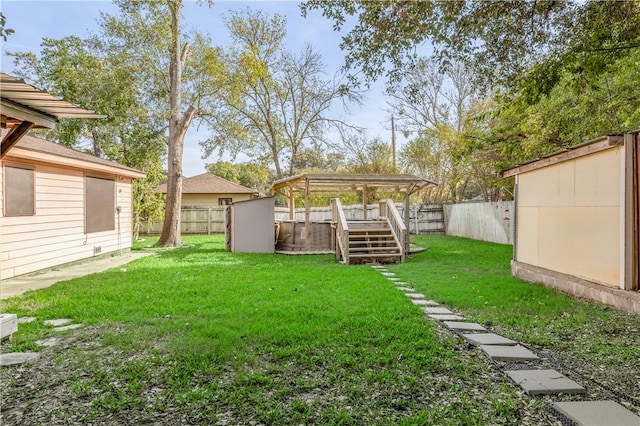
(400, 283)
(389, 274)
(464, 326)
(544, 382)
(415, 295)
(67, 327)
(446, 317)
(422, 302)
(8, 325)
(377, 266)
(406, 288)
(438, 310)
(489, 339)
(26, 320)
(508, 353)
(394, 279)
(16, 358)
(51, 341)
(58, 322)
(597, 413)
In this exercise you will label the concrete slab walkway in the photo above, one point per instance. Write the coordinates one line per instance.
(37, 280)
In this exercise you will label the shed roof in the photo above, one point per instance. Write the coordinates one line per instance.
(338, 182)
(585, 148)
(38, 149)
(208, 183)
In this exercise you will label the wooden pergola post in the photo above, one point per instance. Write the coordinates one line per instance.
(307, 216)
(292, 204)
(364, 202)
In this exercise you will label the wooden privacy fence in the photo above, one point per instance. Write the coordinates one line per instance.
(210, 220)
(422, 219)
(491, 221)
(487, 221)
(194, 220)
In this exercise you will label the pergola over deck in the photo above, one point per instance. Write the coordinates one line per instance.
(26, 107)
(309, 183)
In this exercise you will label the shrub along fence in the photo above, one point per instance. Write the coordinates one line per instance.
(482, 221)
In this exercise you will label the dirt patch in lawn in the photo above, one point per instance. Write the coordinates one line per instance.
(82, 380)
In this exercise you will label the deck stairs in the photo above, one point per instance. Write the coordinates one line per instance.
(368, 241)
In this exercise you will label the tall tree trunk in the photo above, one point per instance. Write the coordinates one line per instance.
(178, 125)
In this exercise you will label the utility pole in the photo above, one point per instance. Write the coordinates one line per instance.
(393, 144)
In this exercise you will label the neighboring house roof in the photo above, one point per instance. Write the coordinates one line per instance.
(38, 149)
(208, 183)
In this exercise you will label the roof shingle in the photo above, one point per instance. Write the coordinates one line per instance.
(208, 183)
(32, 143)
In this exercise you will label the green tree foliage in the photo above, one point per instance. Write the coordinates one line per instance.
(437, 110)
(251, 175)
(576, 109)
(4, 31)
(563, 72)
(274, 102)
(83, 73)
(499, 37)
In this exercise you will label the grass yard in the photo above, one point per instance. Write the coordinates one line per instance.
(200, 336)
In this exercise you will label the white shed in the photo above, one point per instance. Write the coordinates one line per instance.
(577, 220)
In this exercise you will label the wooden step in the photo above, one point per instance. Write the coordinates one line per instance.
(371, 237)
(365, 255)
(387, 249)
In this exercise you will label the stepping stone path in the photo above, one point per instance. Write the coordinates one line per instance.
(421, 302)
(544, 382)
(532, 381)
(445, 317)
(68, 327)
(597, 413)
(16, 358)
(463, 326)
(489, 339)
(438, 310)
(508, 353)
(58, 322)
(51, 341)
(415, 295)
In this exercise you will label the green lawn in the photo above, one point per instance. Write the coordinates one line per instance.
(475, 278)
(201, 336)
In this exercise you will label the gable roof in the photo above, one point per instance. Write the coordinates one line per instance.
(38, 149)
(208, 183)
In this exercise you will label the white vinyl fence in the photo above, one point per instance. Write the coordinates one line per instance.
(489, 221)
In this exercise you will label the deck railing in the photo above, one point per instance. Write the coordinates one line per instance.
(389, 211)
(342, 230)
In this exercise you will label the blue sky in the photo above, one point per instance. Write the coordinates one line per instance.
(34, 20)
